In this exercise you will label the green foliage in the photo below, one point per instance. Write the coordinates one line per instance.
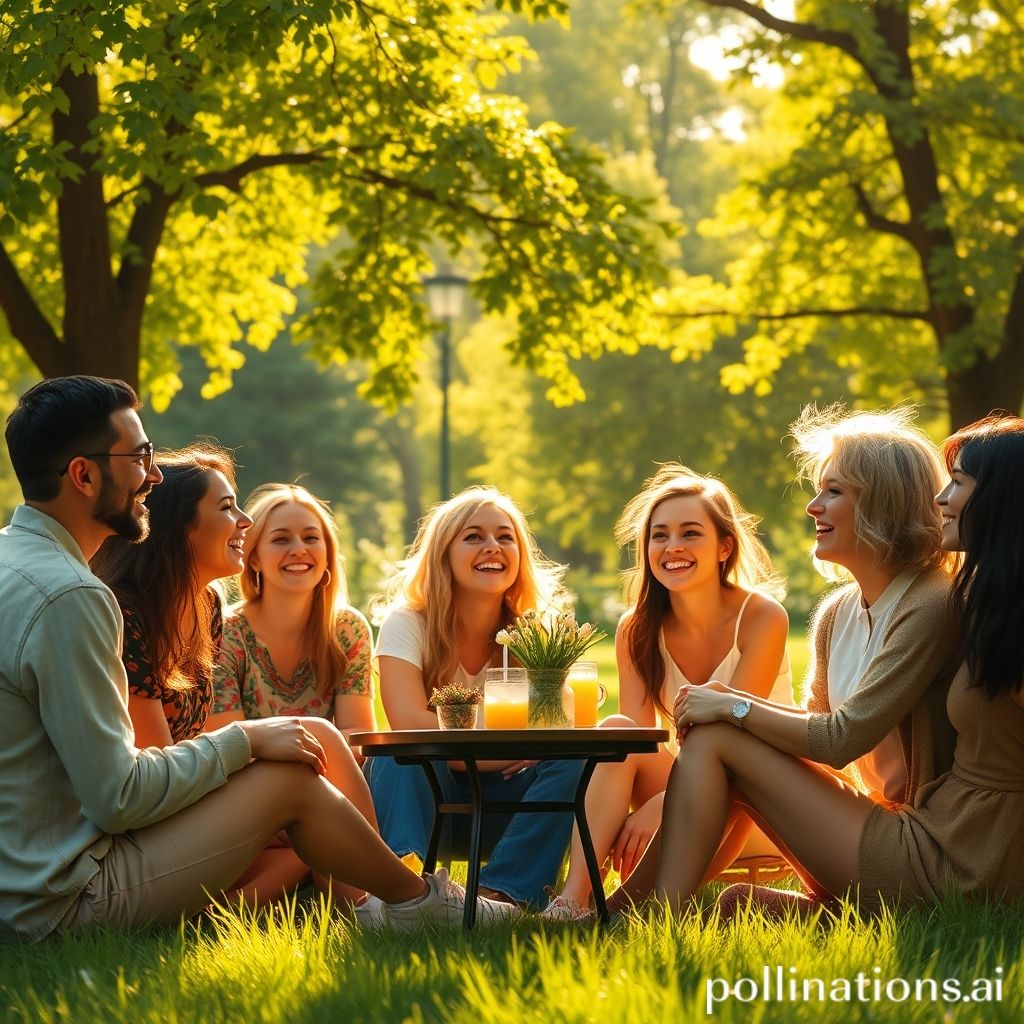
(290, 422)
(229, 138)
(828, 232)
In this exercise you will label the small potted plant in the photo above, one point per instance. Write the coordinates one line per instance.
(457, 706)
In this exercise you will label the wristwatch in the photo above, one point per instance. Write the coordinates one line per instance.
(740, 710)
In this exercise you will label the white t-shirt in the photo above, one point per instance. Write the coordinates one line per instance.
(856, 639)
(403, 635)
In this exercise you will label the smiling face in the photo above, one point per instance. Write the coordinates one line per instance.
(832, 510)
(484, 557)
(951, 501)
(292, 551)
(125, 481)
(684, 548)
(216, 537)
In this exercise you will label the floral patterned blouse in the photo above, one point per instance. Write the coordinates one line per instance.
(246, 679)
(185, 710)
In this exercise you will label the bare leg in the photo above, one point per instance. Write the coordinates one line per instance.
(273, 874)
(640, 884)
(818, 818)
(614, 789)
(326, 831)
(343, 771)
(279, 869)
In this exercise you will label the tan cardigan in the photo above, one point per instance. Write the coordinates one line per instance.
(905, 685)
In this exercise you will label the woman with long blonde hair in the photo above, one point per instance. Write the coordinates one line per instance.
(886, 646)
(473, 567)
(294, 647)
(703, 607)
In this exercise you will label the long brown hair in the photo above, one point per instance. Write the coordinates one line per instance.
(324, 652)
(157, 578)
(747, 565)
(423, 581)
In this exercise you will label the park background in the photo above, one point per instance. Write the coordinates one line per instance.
(679, 220)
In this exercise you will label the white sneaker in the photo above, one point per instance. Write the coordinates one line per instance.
(562, 908)
(370, 913)
(443, 902)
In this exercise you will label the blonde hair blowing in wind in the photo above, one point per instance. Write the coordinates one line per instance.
(423, 581)
(325, 653)
(894, 470)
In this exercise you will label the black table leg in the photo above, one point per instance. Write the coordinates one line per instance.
(475, 830)
(430, 857)
(593, 868)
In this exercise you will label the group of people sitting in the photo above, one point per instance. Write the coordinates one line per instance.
(157, 749)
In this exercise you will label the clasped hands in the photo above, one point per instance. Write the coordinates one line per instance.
(697, 705)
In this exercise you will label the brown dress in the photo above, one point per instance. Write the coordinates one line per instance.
(964, 830)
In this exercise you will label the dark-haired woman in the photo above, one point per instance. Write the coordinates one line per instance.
(173, 627)
(172, 613)
(962, 829)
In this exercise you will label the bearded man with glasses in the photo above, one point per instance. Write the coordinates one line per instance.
(93, 830)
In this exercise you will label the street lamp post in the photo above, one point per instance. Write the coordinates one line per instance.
(445, 292)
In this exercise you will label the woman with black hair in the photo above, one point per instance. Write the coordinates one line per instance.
(960, 830)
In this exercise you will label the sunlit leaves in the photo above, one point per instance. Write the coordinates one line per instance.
(375, 124)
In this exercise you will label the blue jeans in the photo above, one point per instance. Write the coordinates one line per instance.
(524, 851)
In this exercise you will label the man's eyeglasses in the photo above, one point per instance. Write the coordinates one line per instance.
(143, 455)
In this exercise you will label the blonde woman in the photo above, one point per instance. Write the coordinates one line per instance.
(293, 647)
(704, 608)
(473, 567)
(886, 647)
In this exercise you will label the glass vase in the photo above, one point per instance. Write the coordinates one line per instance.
(551, 702)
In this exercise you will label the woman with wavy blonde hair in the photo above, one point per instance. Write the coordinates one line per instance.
(473, 567)
(704, 607)
(885, 645)
(293, 647)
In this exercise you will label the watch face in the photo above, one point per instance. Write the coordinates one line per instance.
(741, 709)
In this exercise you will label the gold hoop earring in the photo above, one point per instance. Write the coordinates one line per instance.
(259, 581)
(324, 586)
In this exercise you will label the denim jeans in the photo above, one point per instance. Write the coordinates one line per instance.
(524, 851)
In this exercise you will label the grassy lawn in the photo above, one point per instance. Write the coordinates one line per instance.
(311, 967)
(310, 964)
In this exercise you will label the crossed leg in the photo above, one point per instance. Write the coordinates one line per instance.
(617, 787)
(817, 817)
(159, 873)
(278, 869)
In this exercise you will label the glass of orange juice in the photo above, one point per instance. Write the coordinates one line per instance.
(506, 698)
(589, 693)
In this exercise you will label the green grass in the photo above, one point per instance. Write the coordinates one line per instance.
(310, 966)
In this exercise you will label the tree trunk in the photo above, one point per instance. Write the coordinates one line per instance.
(995, 382)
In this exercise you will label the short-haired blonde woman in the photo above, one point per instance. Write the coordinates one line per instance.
(473, 567)
(962, 830)
(293, 647)
(885, 646)
(703, 594)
